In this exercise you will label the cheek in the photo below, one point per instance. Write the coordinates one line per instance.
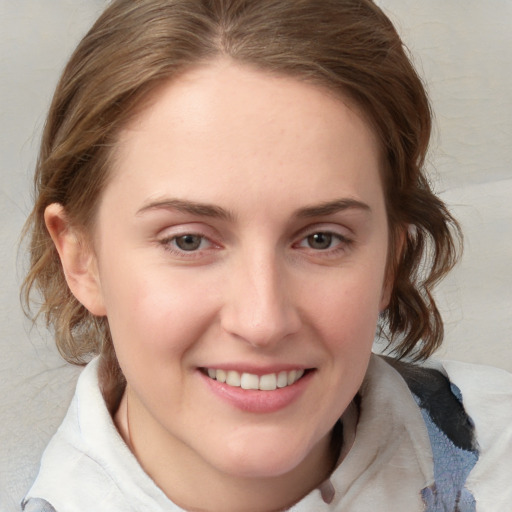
(342, 316)
(156, 324)
(153, 313)
(345, 311)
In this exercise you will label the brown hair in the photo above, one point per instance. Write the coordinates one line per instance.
(347, 46)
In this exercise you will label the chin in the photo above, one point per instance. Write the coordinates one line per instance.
(263, 460)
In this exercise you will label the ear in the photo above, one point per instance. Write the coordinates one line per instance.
(397, 242)
(77, 258)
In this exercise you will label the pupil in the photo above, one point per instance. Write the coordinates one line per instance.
(188, 242)
(320, 240)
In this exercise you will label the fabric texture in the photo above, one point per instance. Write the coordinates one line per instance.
(414, 449)
(452, 439)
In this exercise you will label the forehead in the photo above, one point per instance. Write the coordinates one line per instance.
(229, 124)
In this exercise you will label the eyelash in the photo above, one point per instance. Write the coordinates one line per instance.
(343, 243)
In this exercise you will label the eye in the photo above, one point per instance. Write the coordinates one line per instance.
(322, 241)
(188, 242)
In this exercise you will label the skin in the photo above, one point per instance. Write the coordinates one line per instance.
(263, 153)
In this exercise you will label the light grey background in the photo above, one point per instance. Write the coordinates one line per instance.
(463, 49)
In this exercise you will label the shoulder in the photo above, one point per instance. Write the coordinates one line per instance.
(440, 400)
(87, 465)
(484, 392)
(472, 405)
(487, 395)
(485, 388)
(74, 472)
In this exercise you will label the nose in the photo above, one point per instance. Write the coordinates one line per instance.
(260, 303)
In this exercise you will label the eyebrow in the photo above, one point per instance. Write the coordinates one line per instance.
(209, 210)
(191, 207)
(331, 207)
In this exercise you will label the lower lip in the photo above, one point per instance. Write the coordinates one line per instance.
(256, 401)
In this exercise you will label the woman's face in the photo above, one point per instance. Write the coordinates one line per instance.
(243, 236)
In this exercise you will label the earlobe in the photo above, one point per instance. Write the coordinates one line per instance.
(77, 259)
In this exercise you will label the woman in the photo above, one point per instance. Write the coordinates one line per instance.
(230, 203)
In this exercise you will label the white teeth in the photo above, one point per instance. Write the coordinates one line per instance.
(282, 380)
(233, 379)
(249, 381)
(268, 382)
(292, 377)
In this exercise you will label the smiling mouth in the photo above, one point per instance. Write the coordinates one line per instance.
(268, 382)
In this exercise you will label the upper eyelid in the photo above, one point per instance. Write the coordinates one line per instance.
(325, 227)
(343, 240)
(325, 232)
(190, 228)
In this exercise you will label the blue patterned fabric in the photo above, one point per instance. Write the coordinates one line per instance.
(452, 438)
(452, 466)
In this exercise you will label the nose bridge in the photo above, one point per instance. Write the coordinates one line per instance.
(260, 307)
